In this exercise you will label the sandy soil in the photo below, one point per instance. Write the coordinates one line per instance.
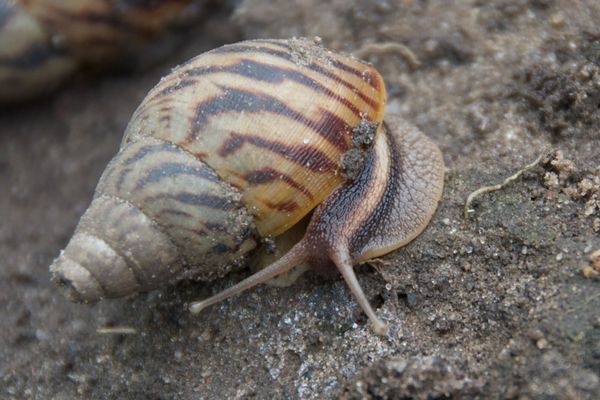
(502, 305)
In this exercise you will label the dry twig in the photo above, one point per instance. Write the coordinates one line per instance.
(117, 330)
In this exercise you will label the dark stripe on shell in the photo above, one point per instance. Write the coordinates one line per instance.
(202, 200)
(197, 232)
(272, 74)
(172, 88)
(122, 175)
(309, 157)
(267, 175)
(240, 48)
(170, 170)
(329, 126)
(125, 168)
(285, 206)
(150, 149)
(335, 62)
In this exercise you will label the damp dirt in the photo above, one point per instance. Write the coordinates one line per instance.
(504, 304)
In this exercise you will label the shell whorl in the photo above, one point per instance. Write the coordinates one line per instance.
(116, 250)
(273, 118)
(158, 215)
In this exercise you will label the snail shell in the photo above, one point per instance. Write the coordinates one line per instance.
(42, 42)
(94, 30)
(241, 143)
(29, 64)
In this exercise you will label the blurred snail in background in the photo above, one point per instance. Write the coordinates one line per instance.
(43, 42)
(241, 143)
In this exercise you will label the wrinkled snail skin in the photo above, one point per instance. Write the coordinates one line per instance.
(239, 144)
(42, 42)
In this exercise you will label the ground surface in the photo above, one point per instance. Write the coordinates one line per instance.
(493, 307)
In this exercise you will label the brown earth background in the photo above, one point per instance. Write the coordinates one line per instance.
(504, 305)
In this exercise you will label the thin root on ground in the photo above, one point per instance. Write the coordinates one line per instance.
(405, 52)
(488, 189)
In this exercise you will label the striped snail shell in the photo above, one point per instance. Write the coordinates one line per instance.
(241, 143)
(42, 42)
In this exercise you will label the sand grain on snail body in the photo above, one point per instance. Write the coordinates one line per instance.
(240, 144)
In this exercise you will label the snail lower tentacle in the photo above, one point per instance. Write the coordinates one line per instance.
(293, 257)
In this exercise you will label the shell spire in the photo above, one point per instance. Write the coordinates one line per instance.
(158, 215)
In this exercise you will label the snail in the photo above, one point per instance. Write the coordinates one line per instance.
(42, 42)
(241, 143)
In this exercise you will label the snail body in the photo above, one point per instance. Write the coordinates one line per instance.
(42, 42)
(241, 143)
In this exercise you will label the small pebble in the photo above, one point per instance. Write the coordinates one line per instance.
(557, 20)
(542, 344)
(588, 272)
